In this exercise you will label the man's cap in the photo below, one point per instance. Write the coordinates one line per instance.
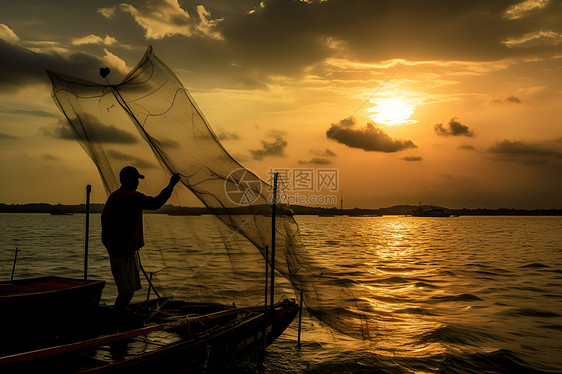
(130, 172)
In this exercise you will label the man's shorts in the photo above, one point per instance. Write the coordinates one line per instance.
(125, 271)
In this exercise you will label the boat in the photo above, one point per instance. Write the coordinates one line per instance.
(178, 335)
(44, 307)
(431, 212)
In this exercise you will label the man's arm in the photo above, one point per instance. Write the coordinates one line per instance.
(153, 203)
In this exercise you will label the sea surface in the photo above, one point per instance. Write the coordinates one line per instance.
(448, 295)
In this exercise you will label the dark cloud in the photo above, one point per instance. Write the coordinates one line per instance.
(169, 143)
(412, 158)
(274, 148)
(509, 100)
(466, 147)
(6, 136)
(315, 161)
(20, 66)
(369, 138)
(223, 135)
(284, 34)
(513, 99)
(37, 113)
(527, 153)
(50, 157)
(106, 134)
(131, 160)
(281, 38)
(455, 128)
(319, 160)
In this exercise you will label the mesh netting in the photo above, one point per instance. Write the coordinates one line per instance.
(166, 117)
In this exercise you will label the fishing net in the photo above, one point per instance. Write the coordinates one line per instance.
(152, 100)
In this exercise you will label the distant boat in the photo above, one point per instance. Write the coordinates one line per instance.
(431, 212)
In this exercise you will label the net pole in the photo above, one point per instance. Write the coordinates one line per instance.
(88, 192)
(266, 273)
(265, 299)
(300, 322)
(273, 214)
(14, 264)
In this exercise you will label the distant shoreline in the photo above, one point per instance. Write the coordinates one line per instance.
(297, 210)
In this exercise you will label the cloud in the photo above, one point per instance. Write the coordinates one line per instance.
(113, 60)
(131, 160)
(104, 133)
(315, 161)
(455, 129)
(526, 152)
(29, 112)
(369, 138)
(524, 8)
(412, 158)
(7, 34)
(223, 135)
(6, 136)
(535, 39)
(166, 18)
(374, 31)
(319, 160)
(20, 66)
(274, 148)
(60, 131)
(50, 157)
(107, 12)
(509, 100)
(208, 26)
(94, 39)
(467, 147)
(169, 143)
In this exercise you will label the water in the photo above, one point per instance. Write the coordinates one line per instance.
(465, 294)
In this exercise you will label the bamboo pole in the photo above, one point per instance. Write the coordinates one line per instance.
(88, 191)
(273, 214)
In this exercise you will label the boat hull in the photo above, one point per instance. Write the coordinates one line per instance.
(205, 343)
(42, 308)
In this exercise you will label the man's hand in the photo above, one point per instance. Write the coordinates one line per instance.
(174, 179)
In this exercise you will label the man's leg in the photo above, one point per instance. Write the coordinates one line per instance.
(123, 300)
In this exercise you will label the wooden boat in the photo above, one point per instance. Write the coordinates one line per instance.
(177, 337)
(43, 308)
(34, 292)
(163, 334)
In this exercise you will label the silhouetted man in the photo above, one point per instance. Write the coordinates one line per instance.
(121, 230)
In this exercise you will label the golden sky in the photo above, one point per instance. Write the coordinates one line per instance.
(448, 102)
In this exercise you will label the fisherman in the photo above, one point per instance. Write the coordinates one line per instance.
(121, 230)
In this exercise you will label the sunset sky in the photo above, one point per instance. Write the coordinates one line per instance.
(452, 103)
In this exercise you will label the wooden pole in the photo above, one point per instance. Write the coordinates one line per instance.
(265, 299)
(88, 191)
(273, 214)
(150, 283)
(14, 265)
(300, 323)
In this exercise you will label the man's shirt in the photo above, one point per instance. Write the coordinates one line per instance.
(121, 220)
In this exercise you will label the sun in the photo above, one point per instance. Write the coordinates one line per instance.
(392, 112)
